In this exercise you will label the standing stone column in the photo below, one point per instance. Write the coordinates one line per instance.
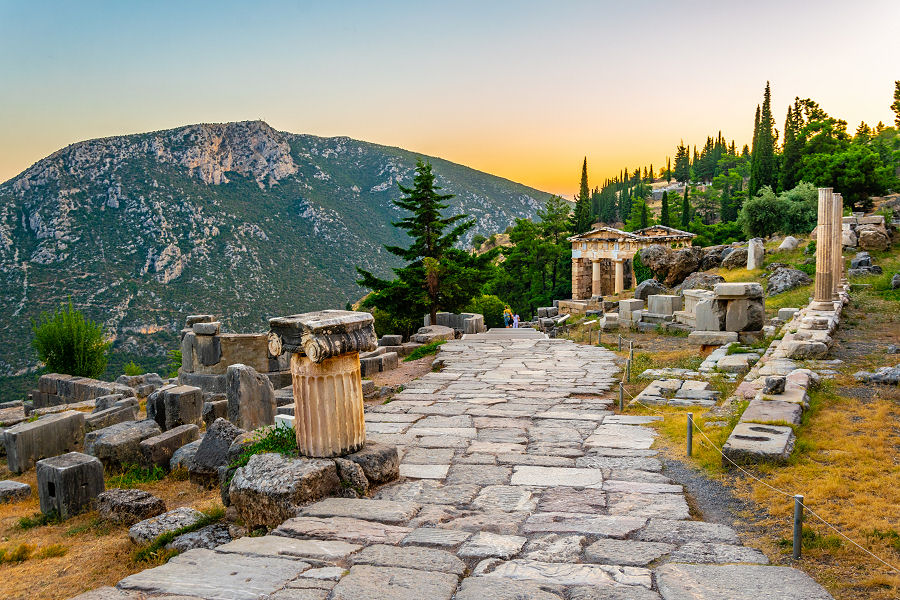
(824, 252)
(328, 401)
(620, 276)
(837, 250)
(596, 278)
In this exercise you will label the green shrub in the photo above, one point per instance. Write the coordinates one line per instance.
(38, 520)
(131, 475)
(641, 271)
(156, 551)
(17, 554)
(809, 269)
(67, 342)
(426, 350)
(280, 439)
(490, 306)
(132, 368)
(174, 362)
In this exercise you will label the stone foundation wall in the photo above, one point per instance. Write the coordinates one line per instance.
(581, 278)
(55, 389)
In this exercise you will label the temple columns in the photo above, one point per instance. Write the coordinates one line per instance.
(596, 278)
(837, 250)
(620, 277)
(822, 298)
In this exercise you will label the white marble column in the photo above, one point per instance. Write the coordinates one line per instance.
(620, 276)
(824, 251)
(837, 250)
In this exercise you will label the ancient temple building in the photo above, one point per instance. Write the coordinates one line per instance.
(602, 257)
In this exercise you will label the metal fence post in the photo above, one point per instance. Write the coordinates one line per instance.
(631, 349)
(798, 525)
(690, 434)
(620, 342)
(621, 396)
(628, 370)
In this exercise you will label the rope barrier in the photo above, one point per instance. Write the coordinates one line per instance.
(766, 484)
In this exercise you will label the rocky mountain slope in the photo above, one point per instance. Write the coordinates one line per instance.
(235, 219)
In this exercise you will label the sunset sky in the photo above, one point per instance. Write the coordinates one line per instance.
(523, 90)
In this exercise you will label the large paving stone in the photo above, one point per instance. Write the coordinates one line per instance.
(626, 552)
(478, 474)
(393, 583)
(276, 545)
(504, 498)
(698, 552)
(621, 436)
(679, 532)
(384, 511)
(208, 574)
(554, 476)
(412, 557)
(342, 528)
(583, 523)
(736, 582)
(772, 411)
(554, 548)
(612, 592)
(667, 506)
(433, 536)
(571, 574)
(485, 544)
(429, 492)
(493, 588)
(567, 499)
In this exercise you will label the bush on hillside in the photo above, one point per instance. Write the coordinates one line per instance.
(793, 211)
(490, 306)
(67, 342)
(641, 271)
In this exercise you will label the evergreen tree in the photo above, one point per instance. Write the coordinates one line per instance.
(895, 106)
(682, 163)
(668, 170)
(685, 210)
(437, 276)
(793, 147)
(762, 165)
(645, 217)
(664, 211)
(581, 217)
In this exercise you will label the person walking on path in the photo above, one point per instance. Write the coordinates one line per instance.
(507, 317)
(516, 321)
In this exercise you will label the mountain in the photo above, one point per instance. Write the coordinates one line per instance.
(235, 219)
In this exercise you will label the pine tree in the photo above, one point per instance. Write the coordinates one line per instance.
(664, 211)
(762, 162)
(895, 106)
(437, 276)
(685, 210)
(682, 163)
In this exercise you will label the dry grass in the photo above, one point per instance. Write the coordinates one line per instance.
(81, 553)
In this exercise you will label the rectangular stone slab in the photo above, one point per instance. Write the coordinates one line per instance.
(384, 511)
(736, 582)
(553, 476)
(765, 411)
(276, 545)
(572, 574)
(752, 442)
(207, 574)
(347, 529)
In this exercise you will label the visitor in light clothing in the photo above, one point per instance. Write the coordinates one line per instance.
(516, 321)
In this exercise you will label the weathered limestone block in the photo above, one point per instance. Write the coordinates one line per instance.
(433, 333)
(13, 491)
(110, 416)
(182, 458)
(646, 288)
(390, 340)
(69, 484)
(628, 307)
(789, 243)
(737, 290)
(753, 443)
(212, 452)
(755, 253)
(158, 450)
(271, 488)
(128, 506)
(148, 530)
(744, 315)
(183, 405)
(120, 444)
(663, 304)
(709, 316)
(207, 328)
(104, 402)
(786, 314)
(379, 462)
(51, 435)
(251, 397)
(736, 259)
(156, 407)
(712, 338)
(216, 409)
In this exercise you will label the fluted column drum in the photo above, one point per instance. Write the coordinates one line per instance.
(328, 405)
(824, 251)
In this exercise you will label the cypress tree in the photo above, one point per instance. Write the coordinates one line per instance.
(793, 147)
(664, 211)
(581, 216)
(682, 163)
(895, 106)
(644, 216)
(685, 210)
(668, 170)
(762, 161)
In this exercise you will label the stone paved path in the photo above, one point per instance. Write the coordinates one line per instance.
(518, 482)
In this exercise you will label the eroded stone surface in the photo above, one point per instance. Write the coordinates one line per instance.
(736, 582)
(392, 583)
